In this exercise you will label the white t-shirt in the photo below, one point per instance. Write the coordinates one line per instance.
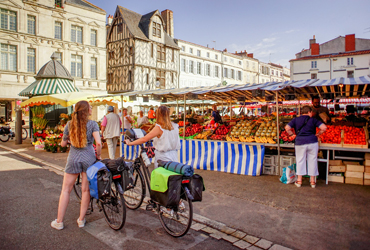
(126, 123)
(142, 120)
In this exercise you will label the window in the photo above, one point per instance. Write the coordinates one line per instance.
(121, 52)
(129, 76)
(314, 65)
(172, 77)
(8, 57)
(76, 34)
(156, 29)
(183, 65)
(233, 74)
(58, 56)
(216, 57)
(225, 72)
(93, 68)
(152, 50)
(58, 30)
(239, 75)
(350, 74)
(281, 73)
(208, 54)
(58, 3)
(183, 48)
(31, 60)
(313, 76)
(191, 67)
(198, 53)
(272, 71)
(76, 66)
(173, 55)
(191, 50)
(199, 68)
(208, 70)
(277, 73)
(8, 20)
(93, 37)
(31, 24)
(216, 71)
(147, 78)
(350, 61)
(161, 53)
(240, 62)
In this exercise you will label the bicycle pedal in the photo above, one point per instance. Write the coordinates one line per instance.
(149, 207)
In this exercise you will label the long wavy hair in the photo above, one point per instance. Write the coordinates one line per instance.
(77, 126)
(163, 118)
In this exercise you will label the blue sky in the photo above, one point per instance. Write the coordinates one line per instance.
(273, 30)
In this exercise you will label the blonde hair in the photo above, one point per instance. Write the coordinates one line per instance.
(163, 118)
(77, 126)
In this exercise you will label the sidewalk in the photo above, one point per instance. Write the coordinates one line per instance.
(334, 216)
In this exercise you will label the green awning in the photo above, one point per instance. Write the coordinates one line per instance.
(49, 86)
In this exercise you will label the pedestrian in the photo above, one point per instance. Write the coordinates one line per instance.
(306, 144)
(141, 120)
(151, 114)
(81, 132)
(120, 113)
(111, 131)
(319, 112)
(216, 115)
(127, 120)
(165, 137)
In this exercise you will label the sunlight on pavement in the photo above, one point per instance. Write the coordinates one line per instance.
(8, 163)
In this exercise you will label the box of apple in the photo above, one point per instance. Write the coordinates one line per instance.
(192, 130)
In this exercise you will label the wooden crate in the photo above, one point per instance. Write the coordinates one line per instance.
(367, 156)
(358, 181)
(351, 163)
(330, 145)
(367, 162)
(355, 168)
(337, 169)
(367, 176)
(335, 162)
(366, 182)
(358, 146)
(333, 178)
(354, 174)
(367, 169)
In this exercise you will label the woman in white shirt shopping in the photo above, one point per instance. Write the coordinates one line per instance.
(165, 137)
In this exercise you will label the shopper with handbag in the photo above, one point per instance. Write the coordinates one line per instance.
(306, 144)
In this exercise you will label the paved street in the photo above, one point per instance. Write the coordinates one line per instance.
(29, 199)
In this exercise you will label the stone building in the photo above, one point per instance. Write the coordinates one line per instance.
(31, 31)
(341, 57)
(142, 53)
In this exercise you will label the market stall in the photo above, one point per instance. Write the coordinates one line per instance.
(302, 91)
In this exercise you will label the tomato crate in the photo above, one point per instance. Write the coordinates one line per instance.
(366, 145)
(337, 145)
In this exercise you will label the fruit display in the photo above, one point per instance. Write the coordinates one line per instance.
(212, 125)
(228, 138)
(203, 135)
(181, 123)
(191, 130)
(218, 137)
(333, 135)
(284, 137)
(223, 130)
(267, 130)
(354, 136)
(244, 128)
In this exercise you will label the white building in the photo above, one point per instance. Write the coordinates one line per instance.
(32, 30)
(341, 57)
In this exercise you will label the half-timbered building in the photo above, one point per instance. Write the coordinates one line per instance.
(141, 51)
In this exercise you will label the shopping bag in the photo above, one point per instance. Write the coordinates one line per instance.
(289, 174)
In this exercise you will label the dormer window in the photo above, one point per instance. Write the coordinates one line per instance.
(156, 29)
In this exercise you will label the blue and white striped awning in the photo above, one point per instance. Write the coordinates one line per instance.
(49, 86)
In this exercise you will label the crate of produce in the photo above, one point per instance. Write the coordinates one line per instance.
(204, 135)
(333, 137)
(336, 178)
(355, 137)
(268, 170)
(269, 160)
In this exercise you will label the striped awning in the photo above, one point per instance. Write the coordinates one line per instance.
(49, 86)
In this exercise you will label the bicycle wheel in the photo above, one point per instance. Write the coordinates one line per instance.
(77, 187)
(134, 196)
(4, 137)
(24, 134)
(177, 223)
(114, 208)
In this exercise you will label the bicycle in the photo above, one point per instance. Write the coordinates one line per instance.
(176, 221)
(113, 207)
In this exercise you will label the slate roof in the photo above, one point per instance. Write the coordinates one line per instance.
(139, 25)
(85, 3)
(53, 69)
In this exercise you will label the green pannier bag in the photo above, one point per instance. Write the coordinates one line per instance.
(165, 187)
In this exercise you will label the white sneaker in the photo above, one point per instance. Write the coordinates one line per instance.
(181, 206)
(81, 223)
(56, 225)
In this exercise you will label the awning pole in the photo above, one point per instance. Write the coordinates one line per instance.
(230, 110)
(203, 108)
(121, 113)
(299, 107)
(278, 129)
(177, 108)
(184, 115)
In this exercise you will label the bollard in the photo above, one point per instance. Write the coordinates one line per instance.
(18, 126)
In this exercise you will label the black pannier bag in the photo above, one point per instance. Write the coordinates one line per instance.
(196, 187)
(117, 166)
(170, 197)
(104, 179)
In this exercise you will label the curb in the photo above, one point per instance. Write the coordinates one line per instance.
(215, 229)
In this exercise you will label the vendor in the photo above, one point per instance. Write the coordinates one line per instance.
(141, 120)
(215, 115)
(319, 112)
(151, 114)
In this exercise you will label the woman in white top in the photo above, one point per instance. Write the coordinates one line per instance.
(127, 120)
(141, 120)
(165, 137)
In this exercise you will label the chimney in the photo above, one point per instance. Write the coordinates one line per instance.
(250, 55)
(110, 19)
(167, 16)
(350, 42)
(225, 50)
(312, 41)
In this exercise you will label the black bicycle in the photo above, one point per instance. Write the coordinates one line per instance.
(175, 220)
(113, 206)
